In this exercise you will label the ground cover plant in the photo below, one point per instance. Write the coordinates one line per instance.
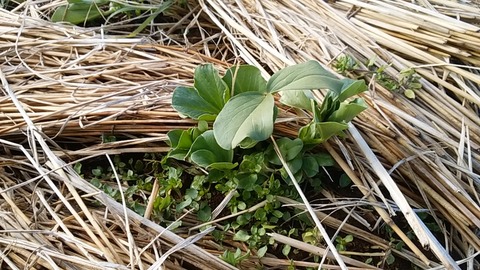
(238, 159)
(90, 12)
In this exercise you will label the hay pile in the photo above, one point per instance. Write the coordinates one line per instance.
(69, 86)
(430, 144)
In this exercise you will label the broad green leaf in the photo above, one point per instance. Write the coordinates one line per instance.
(326, 130)
(205, 214)
(328, 107)
(262, 251)
(202, 126)
(344, 181)
(162, 203)
(183, 204)
(206, 99)
(324, 159)
(241, 235)
(76, 13)
(206, 159)
(187, 101)
(245, 79)
(286, 250)
(78, 167)
(97, 172)
(315, 133)
(247, 181)
(260, 214)
(297, 98)
(277, 213)
(305, 76)
(247, 143)
(192, 193)
(310, 166)
(210, 86)
(390, 259)
(351, 88)
(247, 115)
(288, 148)
(243, 219)
(179, 138)
(295, 165)
(180, 142)
(223, 166)
(205, 151)
(347, 111)
(241, 205)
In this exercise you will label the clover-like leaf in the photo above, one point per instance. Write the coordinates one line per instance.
(310, 166)
(206, 152)
(305, 76)
(289, 149)
(247, 115)
(241, 235)
(324, 159)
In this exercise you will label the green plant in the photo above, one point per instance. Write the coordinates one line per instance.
(236, 113)
(381, 77)
(389, 258)
(342, 242)
(87, 11)
(312, 236)
(410, 82)
(131, 172)
(234, 258)
(345, 63)
(407, 80)
(241, 104)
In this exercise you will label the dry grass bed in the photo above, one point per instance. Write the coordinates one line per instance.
(428, 145)
(69, 86)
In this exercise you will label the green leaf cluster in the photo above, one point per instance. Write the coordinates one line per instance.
(200, 147)
(236, 113)
(234, 258)
(88, 11)
(407, 81)
(342, 242)
(242, 107)
(79, 11)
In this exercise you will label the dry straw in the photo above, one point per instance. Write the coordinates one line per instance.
(69, 86)
(430, 144)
